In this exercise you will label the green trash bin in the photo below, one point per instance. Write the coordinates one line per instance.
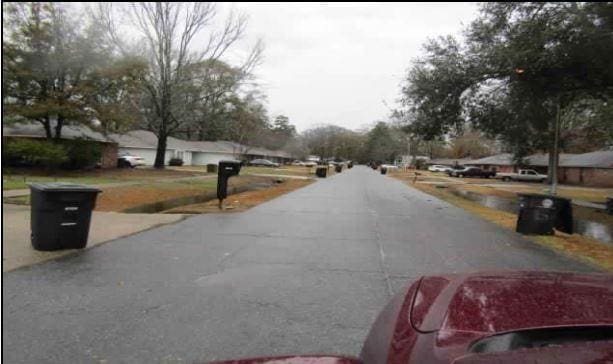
(60, 215)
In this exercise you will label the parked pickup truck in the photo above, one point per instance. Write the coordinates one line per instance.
(471, 172)
(522, 175)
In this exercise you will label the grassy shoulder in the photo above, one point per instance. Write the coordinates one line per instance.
(15, 179)
(591, 194)
(281, 171)
(244, 200)
(576, 246)
(129, 197)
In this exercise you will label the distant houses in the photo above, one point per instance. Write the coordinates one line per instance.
(144, 144)
(198, 153)
(589, 169)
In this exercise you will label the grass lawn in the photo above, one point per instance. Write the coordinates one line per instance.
(12, 182)
(594, 194)
(506, 189)
(281, 171)
(244, 200)
(128, 197)
(15, 179)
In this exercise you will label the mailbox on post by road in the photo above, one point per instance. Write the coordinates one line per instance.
(226, 170)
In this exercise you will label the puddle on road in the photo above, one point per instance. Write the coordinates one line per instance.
(592, 229)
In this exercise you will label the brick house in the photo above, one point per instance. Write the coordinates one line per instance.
(108, 148)
(588, 169)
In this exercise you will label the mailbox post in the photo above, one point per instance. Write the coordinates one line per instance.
(226, 170)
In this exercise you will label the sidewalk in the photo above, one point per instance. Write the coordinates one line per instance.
(17, 250)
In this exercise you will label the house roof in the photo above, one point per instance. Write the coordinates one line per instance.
(131, 140)
(504, 159)
(449, 161)
(598, 159)
(36, 130)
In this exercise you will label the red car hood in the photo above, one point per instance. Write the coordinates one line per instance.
(317, 359)
(498, 302)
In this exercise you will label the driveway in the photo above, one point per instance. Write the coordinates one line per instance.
(305, 273)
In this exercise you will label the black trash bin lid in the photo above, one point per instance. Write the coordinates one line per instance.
(62, 187)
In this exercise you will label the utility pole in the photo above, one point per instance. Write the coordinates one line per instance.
(556, 137)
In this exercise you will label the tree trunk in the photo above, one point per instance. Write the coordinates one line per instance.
(550, 163)
(58, 127)
(160, 154)
(47, 126)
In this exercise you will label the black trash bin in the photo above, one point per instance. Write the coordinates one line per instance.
(321, 172)
(383, 170)
(539, 214)
(350, 165)
(610, 205)
(60, 215)
(338, 168)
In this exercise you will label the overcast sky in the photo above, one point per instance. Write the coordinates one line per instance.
(340, 63)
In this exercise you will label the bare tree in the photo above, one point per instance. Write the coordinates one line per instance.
(169, 31)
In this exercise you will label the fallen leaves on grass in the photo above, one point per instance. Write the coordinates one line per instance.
(126, 197)
(245, 200)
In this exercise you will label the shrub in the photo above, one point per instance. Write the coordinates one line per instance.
(29, 152)
(175, 162)
(81, 153)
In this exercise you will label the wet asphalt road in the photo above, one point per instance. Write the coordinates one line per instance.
(304, 273)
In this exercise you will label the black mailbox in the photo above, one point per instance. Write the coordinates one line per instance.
(226, 170)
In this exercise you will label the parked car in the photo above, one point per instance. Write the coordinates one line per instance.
(498, 317)
(310, 164)
(263, 163)
(298, 163)
(439, 168)
(523, 175)
(389, 166)
(128, 160)
(471, 172)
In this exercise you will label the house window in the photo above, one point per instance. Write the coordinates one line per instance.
(179, 154)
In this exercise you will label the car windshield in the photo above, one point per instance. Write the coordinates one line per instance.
(250, 183)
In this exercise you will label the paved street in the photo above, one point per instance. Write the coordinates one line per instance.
(307, 272)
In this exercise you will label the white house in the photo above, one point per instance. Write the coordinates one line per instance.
(144, 143)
